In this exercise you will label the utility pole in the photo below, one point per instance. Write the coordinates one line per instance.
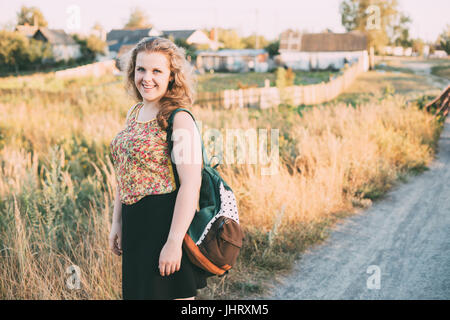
(256, 31)
(216, 37)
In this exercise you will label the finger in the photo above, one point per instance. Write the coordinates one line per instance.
(178, 266)
(173, 268)
(111, 242)
(162, 269)
(112, 246)
(115, 251)
(168, 267)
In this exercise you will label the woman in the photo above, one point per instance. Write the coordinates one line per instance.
(151, 216)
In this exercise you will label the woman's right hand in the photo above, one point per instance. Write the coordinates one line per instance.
(115, 238)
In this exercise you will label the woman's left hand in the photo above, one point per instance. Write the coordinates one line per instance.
(170, 258)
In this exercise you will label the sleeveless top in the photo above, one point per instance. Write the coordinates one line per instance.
(141, 159)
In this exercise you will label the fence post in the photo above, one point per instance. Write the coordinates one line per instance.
(241, 98)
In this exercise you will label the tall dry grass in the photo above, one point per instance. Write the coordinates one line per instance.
(57, 186)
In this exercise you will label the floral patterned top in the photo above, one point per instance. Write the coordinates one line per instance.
(141, 159)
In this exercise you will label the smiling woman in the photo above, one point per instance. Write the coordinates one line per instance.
(151, 216)
(151, 78)
(159, 75)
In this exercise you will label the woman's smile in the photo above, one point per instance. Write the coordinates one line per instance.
(148, 87)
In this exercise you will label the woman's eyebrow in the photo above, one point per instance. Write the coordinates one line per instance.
(139, 66)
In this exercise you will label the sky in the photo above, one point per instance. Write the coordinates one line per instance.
(268, 18)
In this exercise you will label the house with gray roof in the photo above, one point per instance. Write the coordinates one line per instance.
(320, 51)
(117, 38)
(64, 47)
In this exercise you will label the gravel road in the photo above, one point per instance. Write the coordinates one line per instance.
(397, 249)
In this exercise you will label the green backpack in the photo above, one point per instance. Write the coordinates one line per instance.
(214, 237)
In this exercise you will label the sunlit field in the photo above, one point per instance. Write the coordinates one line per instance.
(57, 183)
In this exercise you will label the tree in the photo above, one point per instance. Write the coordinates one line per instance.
(30, 16)
(138, 19)
(230, 38)
(272, 48)
(400, 32)
(444, 39)
(381, 20)
(99, 31)
(90, 46)
(285, 78)
(418, 46)
(250, 42)
(95, 44)
(191, 54)
(17, 52)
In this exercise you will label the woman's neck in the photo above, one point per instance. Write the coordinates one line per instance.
(151, 106)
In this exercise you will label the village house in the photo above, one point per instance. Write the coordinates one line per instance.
(321, 51)
(195, 37)
(121, 41)
(64, 47)
(397, 51)
(117, 38)
(234, 60)
(27, 30)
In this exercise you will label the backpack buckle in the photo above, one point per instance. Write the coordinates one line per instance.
(210, 160)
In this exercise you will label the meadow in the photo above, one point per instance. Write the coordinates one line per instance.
(57, 183)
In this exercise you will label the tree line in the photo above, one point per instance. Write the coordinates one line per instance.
(19, 53)
(385, 24)
(381, 20)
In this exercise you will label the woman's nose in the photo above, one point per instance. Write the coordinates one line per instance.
(148, 77)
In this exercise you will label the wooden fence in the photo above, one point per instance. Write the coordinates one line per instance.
(441, 105)
(271, 96)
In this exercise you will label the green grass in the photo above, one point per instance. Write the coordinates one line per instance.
(224, 81)
(207, 82)
(441, 71)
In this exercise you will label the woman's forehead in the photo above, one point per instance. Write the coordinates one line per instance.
(152, 59)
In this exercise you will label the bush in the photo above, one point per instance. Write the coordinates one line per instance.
(18, 53)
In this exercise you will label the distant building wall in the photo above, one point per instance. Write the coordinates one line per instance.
(307, 61)
(66, 52)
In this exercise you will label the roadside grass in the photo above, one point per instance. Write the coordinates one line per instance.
(346, 158)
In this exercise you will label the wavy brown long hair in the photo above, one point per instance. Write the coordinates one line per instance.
(180, 93)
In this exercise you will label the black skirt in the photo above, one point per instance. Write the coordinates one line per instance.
(145, 228)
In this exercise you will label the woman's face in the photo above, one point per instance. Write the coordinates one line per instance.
(151, 75)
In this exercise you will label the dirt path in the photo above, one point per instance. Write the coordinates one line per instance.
(397, 249)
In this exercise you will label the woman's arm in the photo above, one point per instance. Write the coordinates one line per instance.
(115, 235)
(117, 213)
(187, 152)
